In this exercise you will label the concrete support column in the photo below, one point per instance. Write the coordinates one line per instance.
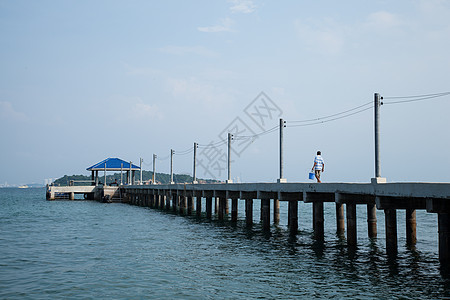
(444, 239)
(249, 212)
(276, 211)
(209, 207)
(167, 199)
(221, 209)
(261, 211)
(216, 205)
(318, 222)
(340, 219)
(293, 216)
(390, 216)
(351, 224)
(198, 207)
(266, 214)
(227, 207)
(174, 202)
(190, 205)
(72, 196)
(372, 221)
(411, 237)
(183, 204)
(234, 209)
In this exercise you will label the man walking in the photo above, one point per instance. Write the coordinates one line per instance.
(319, 166)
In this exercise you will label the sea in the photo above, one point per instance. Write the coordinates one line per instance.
(91, 250)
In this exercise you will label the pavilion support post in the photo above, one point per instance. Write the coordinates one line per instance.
(198, 207)
(266, 214)
(351, 224)
(249, 212)
(391, 231)
(208, 207)
(276, 211)
(234, 209)
(293, 216)
(340, 219)
(92, 178)
(318, 220)
(411, 237)
(96, 178)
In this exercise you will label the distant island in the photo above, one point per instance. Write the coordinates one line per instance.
(161, 178)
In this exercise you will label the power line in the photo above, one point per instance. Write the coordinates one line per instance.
(414, 98)
(333, 115)
(330, 120)
(246, 137)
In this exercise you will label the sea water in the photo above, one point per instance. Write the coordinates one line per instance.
(92, 250)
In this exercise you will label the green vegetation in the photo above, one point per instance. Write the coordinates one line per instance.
(146, 176)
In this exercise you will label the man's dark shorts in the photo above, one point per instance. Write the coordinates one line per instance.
(317, 172)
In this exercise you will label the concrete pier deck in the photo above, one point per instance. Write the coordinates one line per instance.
(389, 197)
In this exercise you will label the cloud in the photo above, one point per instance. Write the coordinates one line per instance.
(224, 25)
(185, 50)
(141, 110)
(7, 112)
(325, 39)
(242, 6)
(383, 21)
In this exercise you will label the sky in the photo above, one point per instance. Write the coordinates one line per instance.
(81, 81)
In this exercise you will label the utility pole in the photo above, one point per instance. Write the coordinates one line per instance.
(140, 167)
(194, 176)
(154, 167)
(230, 137)
(282, 125)
(377, 105)
(171, 166)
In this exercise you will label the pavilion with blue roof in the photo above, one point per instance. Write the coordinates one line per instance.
(113, 164)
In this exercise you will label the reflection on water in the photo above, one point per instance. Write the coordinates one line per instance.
(95, 250)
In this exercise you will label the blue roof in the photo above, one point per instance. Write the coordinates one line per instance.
(112, 164)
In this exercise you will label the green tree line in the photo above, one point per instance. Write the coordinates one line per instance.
(146, 176)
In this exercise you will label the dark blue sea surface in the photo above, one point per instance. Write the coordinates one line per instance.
(85, 249)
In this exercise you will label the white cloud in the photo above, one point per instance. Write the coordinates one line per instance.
(141, 110)
(7, 112)
(198, 92)
(242, 6)
(224, 25)
(325, 39)
(383, 21)
(184, 50)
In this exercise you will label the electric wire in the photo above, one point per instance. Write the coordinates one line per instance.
(330, 120)
(333, 115)
(413, 98)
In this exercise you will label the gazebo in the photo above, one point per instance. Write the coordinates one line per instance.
(113, 164)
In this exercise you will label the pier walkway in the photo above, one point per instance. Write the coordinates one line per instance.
(389, 197)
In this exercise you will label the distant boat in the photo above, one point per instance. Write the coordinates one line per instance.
(23, 187)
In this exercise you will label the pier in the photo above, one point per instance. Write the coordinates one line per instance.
(389, 197)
